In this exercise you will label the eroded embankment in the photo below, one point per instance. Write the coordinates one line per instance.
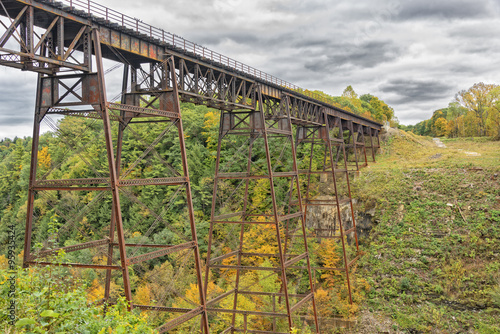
(429, 224)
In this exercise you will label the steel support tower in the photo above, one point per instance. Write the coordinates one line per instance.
(264, 165)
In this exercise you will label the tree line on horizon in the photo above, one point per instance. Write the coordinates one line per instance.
(475, 112)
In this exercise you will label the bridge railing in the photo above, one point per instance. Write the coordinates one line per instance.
(136, 25)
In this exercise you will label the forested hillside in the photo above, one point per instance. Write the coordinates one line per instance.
(366, 105)
(55, 229)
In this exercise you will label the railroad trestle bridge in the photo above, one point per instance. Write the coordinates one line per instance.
(266, 126)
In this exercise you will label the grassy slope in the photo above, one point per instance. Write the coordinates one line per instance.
(433, 257)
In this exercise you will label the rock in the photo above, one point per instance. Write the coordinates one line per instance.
(371, 212)
(473, 154)
(326, 217)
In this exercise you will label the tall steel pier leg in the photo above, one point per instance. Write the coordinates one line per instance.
(119, 147)
(33, 170)
(194, 236)
(113, 169)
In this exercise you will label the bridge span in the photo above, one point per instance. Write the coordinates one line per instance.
(266, 126)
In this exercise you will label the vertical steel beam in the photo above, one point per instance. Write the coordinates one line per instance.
(194, 237)
(119, 147)
(60, 38)
(303, 216)
(33, 170)
(242, 233)
(103, 109)
(30, 33)
(275, 209)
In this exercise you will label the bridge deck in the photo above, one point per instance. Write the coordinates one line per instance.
(130, 40)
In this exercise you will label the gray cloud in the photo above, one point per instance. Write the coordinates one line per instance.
(17, 101)
(366, 55)
(13, 120)
(409, 91)
(455, 9)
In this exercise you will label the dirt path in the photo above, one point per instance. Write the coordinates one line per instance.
(440, 144)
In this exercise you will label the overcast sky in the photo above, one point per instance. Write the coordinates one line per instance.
(414, 55)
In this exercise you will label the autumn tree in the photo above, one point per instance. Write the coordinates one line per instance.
(480, 98)
(440, 127)
(472, 124)
(349, 93)
(493, 118)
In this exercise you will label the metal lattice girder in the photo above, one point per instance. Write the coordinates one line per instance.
(35, 39)
(46, 35)
(272, 166)
(355, 145)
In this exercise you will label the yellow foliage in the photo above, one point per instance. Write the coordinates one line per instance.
(493, 123)
(102, 260)
(261, 239)
(209, 125)
(96, 291)
(260, 193)
(228, 262)
(4, 263)
(441, 126)
(143, 295)
(192, 295)
(323, 298)
(333, 297)
(44, 159)
(85, 229)
(329, 254)
(472, 124)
